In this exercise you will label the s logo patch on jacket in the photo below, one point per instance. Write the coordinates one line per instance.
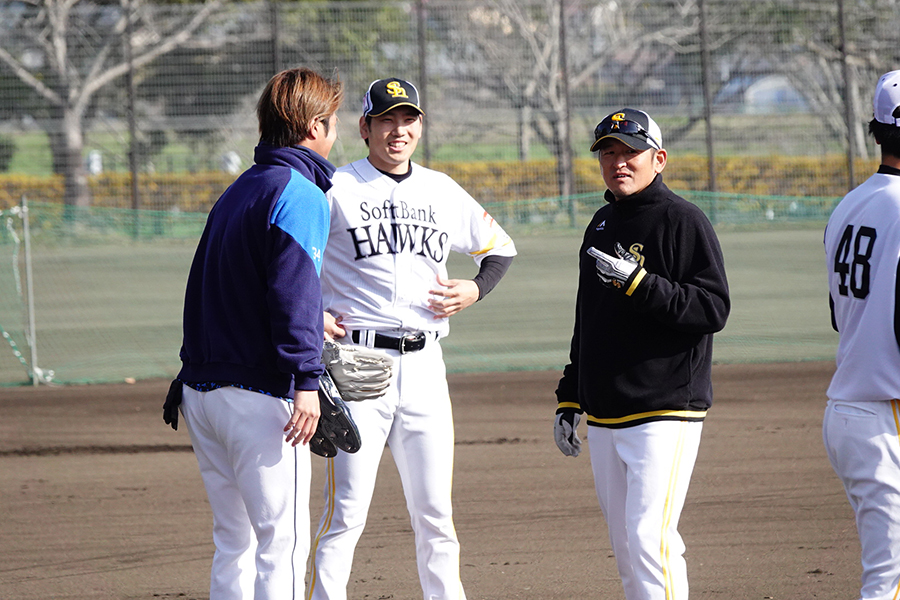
(636, 250)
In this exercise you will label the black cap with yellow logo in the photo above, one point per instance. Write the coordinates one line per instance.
(632, 127)
(386, 94)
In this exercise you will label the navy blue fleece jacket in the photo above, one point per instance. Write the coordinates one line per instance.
(253, 305)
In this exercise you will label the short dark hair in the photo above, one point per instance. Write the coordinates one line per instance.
(291, 101)
(887, 136)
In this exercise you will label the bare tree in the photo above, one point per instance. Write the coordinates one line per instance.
(510, 49)
(871, 51)
(66, 51)
(801, 41)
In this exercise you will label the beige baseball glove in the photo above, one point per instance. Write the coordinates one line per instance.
(359, 373)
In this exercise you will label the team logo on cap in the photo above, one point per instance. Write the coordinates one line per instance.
(616, 118)
(396, 90)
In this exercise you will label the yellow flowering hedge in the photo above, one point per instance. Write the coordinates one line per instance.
(768, 175)
(187, 192)
(488, 181)
(758, 175)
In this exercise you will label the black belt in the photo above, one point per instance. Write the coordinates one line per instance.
(411, 342)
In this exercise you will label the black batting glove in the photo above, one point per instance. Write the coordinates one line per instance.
(173, 401)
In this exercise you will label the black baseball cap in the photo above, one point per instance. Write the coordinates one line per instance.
(632, 127)
(386, 94)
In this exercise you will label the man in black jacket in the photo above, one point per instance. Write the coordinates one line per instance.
(651, 293)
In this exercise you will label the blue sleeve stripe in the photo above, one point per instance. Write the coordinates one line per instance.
(302, 212)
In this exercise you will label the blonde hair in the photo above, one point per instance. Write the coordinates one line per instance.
(293, 100)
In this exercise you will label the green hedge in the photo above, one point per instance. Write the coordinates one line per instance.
(488, 181)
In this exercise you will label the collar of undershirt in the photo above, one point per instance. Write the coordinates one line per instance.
(395, 176)
(887, 170)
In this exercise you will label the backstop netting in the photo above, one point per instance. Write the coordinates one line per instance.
(14, 365)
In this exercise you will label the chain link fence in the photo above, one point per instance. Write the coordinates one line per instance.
(92, 92)
(123, 122)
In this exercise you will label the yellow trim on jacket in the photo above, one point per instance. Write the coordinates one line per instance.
(675, 414)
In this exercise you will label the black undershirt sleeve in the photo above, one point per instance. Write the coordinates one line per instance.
(831, 307)
(493, 268)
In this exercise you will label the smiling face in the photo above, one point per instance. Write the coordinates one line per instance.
(393, 137)
(627, 171)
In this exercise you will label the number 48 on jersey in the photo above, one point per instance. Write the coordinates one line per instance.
(851, 261)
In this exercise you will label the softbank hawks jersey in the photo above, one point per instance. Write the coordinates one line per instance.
(862, 246)
(389, 242)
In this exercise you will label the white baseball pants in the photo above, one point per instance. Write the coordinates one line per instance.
(414, 418)
(641, 475)
(862, 440)
(258, 489)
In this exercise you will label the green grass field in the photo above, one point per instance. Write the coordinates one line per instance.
(778, 290)
(109, 310)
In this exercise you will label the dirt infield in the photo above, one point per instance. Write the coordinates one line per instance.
(99, 499)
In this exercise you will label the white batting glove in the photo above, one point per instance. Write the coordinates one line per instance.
(566, 434)
(615, 271)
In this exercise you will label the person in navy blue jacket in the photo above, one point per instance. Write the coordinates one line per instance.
(252, 347)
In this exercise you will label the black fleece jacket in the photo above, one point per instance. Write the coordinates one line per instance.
(644, 352)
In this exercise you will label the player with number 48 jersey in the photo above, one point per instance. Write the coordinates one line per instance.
(862, 243)
(861, 428)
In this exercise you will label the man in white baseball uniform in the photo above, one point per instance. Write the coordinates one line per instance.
(385, 285)
(861, 428)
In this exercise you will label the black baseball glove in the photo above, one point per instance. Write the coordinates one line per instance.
(336, 430)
